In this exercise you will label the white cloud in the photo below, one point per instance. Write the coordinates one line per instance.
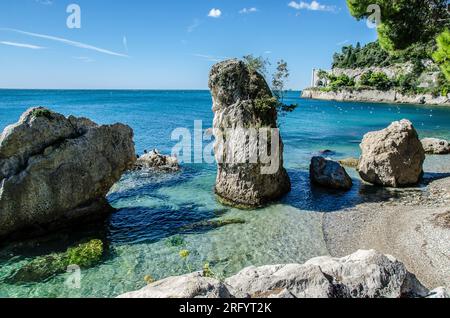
(248, 10)
(215, 13)
(211, 58)
(313, 6)
(23, 45)
(194, 26)
(45, 2)
(68, 42)
(84, 59)
(342, 43)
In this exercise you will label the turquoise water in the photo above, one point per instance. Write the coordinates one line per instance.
(154, 208)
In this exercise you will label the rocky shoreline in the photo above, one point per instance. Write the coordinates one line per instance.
(374, 96)
(364, 274)
(415, 228)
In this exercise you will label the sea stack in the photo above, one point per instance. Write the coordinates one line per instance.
(392, 157)
(56, 171)
(244, 112)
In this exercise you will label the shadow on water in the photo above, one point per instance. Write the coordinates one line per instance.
(309, 197)
(433, 176)
(130, 225)
(149, 224)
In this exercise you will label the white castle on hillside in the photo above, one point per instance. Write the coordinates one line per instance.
(316, 81)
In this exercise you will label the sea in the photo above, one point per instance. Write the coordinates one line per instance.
(159, 215)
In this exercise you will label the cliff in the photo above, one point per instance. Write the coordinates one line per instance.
(374, 96)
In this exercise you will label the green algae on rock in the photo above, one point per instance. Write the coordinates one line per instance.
(175, 241)
(84, 255)
(42, 112)
(349, 162)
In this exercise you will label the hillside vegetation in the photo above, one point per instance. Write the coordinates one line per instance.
(413, 32)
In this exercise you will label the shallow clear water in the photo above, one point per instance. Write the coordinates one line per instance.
(154, 208)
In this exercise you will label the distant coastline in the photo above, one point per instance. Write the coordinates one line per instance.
(374, 96)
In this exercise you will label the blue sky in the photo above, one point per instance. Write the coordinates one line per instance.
(160, 44)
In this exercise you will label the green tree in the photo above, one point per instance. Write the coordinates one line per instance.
(257, 64)
(380, 81)
(370, 55)
(442, 55)
(279, 81)
(404, 22)
(337, 82)
(365, 78)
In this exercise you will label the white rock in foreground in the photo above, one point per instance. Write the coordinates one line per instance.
(188, 286)
(364, 274)
(436, 146)
(440, 292)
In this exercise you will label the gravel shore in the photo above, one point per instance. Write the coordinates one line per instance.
(415, 228)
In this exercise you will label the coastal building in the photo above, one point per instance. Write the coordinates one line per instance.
(316, 80)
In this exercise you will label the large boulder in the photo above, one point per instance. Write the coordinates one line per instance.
(364, 274)
(434, 146)
(329, 174)
(393, 156)
(188, 286)
(243, 107)
(55, 171)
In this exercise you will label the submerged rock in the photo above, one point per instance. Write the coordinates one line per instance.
(349, 162)
(84, 255)
(188, 286)
(365, 274)
(211, 224)
(434, 146)
(156, 161)
(393, 156)
(55, 171)
(327, 152)
(329, 174)
(243, 104)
